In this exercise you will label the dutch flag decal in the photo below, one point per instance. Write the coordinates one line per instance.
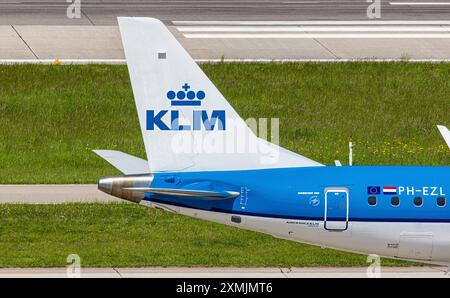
(389, 190)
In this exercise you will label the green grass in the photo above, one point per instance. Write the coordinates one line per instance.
(51, 117)
(133, 235)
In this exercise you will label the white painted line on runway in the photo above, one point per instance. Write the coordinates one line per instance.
(316, 36)
(371, 28)
(393, 22)
(421, 3)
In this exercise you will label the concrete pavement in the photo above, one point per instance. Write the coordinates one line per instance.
(304, 40)
(38, 30)
(53, 194)
(227, 272)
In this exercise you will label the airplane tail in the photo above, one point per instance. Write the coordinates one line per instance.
(186, 123)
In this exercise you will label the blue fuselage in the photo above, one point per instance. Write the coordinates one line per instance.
(300, 193)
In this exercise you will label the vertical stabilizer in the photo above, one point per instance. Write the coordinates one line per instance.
(186, 123)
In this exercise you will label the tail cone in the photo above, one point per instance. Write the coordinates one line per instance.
(117, 186)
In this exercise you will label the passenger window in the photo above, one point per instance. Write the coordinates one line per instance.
(372, 201)
(395, 201)
(441, 201)
(418, 201)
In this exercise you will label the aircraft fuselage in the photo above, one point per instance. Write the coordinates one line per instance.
(392, 211)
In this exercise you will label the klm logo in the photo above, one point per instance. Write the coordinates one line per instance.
(170, 119)
(186, 98)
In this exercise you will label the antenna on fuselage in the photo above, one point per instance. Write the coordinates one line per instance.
(350, 154)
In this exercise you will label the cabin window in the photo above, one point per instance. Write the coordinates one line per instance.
(418, 201)
(441, 201)
(372, 201)
(395, 201)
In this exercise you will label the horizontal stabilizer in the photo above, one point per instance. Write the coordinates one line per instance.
(126, 163)
(200, 194)
(445, 133)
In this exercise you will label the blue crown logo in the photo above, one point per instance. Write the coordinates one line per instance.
(185, 97)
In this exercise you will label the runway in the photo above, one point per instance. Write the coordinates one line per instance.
(104, 12)
(241, 40)
(214, 30)
(227, 272)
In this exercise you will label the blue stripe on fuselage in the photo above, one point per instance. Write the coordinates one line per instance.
(286, 193)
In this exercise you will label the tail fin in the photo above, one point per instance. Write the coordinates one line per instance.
(445, 133)
(186, 123)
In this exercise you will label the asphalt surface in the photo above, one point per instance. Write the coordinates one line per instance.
(227, 272)
(104, 12)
